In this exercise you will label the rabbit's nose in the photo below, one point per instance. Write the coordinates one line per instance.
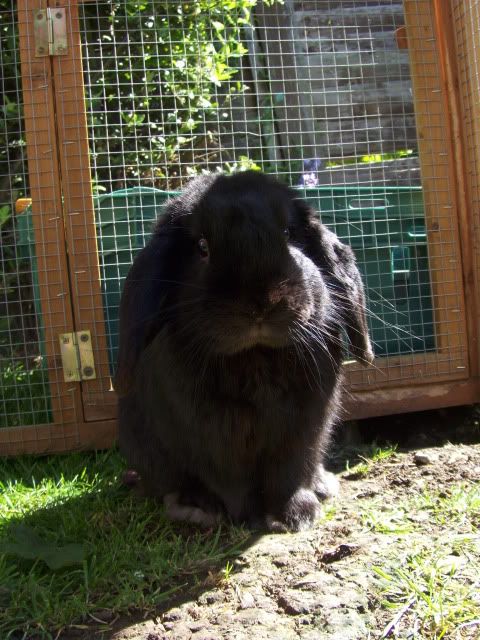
(258, 313)
(263, 305)
(264, 311)
(274, 297)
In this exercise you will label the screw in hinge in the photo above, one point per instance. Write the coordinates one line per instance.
(88, 371)
(58, 15)
(84, 337)
(39, 16)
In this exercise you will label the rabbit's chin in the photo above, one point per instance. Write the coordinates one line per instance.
(261, 335)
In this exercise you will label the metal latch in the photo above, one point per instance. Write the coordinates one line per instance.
(50, 29)
(77, 356)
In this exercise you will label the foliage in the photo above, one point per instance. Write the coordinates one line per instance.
(369, 459)
(18, 326)
(162, 80)
(12, 142)
(372, 158)
(24, 395)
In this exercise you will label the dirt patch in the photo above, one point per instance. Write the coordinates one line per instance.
(331, 582)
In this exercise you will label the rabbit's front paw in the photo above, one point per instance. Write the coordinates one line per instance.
(300, 512)
(325, 484)
(177, 511)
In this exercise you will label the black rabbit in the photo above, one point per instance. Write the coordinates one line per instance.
(229, 368)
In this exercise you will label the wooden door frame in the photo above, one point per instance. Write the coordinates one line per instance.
(47, 163)
(99, 402)
(49, 234)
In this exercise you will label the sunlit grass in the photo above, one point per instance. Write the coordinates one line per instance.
(431, 582)
(369, 459)
(131, 556)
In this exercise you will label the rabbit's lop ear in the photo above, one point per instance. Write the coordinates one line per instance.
(337, 263)
(145, 296)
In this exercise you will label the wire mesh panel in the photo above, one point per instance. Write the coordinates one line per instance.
(23, 383)
(341, 99)
(318, 92)
(36, 407)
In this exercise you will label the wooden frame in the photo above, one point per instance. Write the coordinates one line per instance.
(445, 38)
(99, 402)
(380, 402)
(45, 439)
(47, 219)
(84, 413)
(436, 105)
(428, 51)
(432, 110)
(462, 56)
(49, 438)
(46, 161)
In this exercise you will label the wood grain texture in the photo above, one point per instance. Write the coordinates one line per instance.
(439, 180)
(98, 401)
(47, 217)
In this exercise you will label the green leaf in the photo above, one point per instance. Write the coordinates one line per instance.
(29, 545)
(4, 214)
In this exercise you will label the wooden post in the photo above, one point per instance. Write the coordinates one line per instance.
(451, 95)
(461, 36)
(99, 400)
(437, 157)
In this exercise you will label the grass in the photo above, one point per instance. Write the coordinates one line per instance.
(76, 545)
(430, 584)
(370, 458)
(77, 549)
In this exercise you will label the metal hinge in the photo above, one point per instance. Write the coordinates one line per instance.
(50, 29)
(77, 356)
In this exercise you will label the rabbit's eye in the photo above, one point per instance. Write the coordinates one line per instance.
(203, 248)
(286, 233)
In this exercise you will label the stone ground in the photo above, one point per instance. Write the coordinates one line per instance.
(319, 584)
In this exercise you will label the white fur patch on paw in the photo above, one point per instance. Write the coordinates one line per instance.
(189, 513)
(274, 525)
(326, 484)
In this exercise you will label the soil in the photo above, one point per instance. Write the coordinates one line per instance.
(319, 584)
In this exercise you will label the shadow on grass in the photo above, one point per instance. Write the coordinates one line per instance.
(135, 564)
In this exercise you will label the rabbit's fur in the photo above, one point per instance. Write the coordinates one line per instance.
(229, 366)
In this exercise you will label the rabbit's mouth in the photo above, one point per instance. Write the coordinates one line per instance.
(273, 327)
(267, 335)
(258, 334)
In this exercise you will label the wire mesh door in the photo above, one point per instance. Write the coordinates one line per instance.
(341, 99)
(38, 410)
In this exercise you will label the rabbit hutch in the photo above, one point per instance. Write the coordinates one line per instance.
(369, 108)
